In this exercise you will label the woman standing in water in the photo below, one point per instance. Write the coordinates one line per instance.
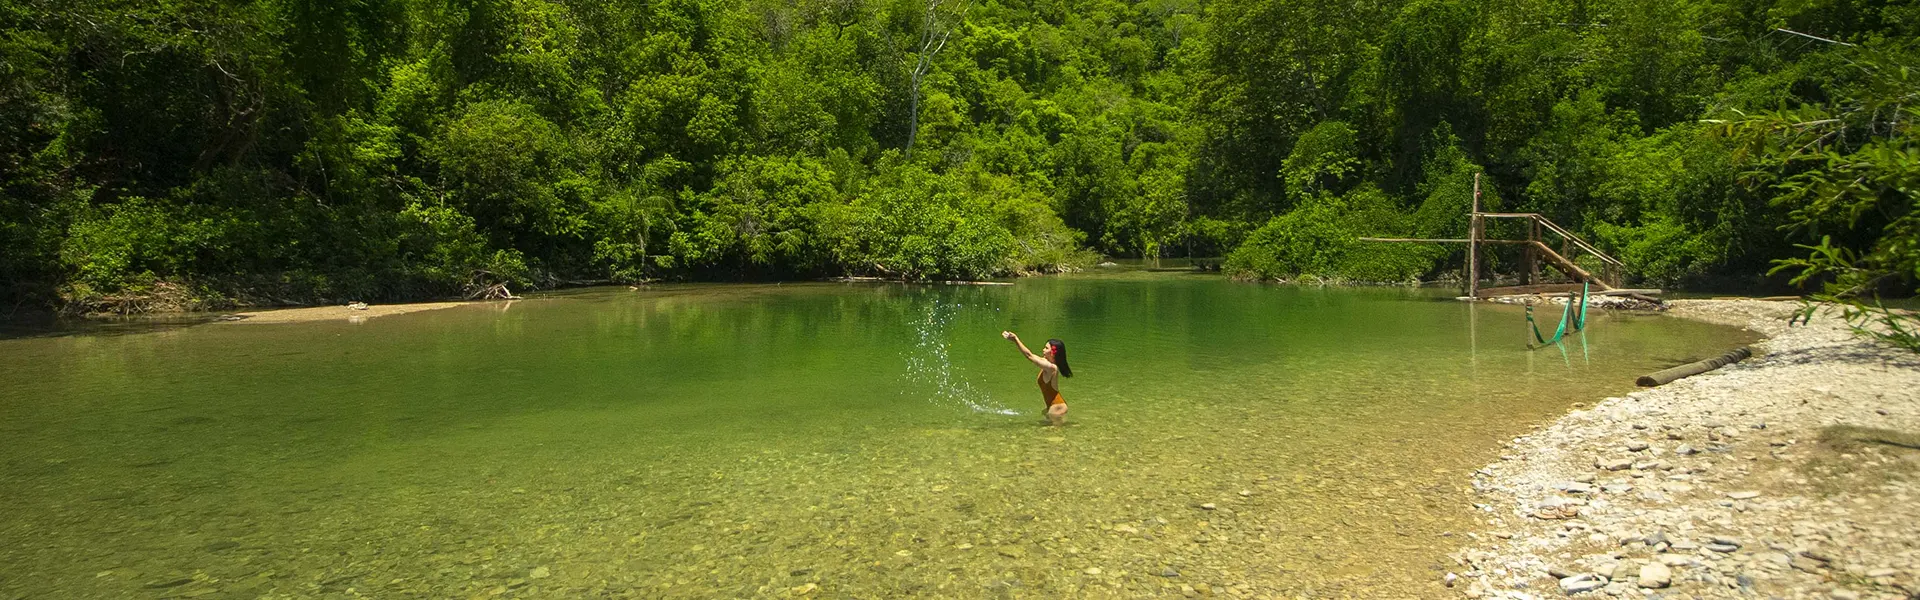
(1053, 364)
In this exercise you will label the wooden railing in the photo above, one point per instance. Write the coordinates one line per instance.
(1533, 248)
(1612, 269)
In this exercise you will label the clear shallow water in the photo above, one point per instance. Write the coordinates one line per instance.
(753, 440)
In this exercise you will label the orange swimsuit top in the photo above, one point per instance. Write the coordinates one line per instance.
(1047, 392)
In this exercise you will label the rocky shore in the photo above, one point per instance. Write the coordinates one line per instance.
(1793, 474)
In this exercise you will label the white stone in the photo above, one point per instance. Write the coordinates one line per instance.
(1655, 575)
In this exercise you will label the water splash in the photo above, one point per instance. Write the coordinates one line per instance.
(929, 365)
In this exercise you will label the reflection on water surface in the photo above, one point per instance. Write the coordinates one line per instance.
(822, 440)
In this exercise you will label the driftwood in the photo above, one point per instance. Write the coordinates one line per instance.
(496, 291)
(1695, 368)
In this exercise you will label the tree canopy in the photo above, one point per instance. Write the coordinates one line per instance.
(322, 150)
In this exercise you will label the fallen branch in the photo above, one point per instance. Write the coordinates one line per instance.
(1695, 368)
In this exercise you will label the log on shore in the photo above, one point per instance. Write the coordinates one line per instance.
(1695, 368)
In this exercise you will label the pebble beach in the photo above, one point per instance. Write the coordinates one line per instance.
(1783, 476)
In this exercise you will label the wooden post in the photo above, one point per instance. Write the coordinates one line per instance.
(1473, 243)
(1532, 260)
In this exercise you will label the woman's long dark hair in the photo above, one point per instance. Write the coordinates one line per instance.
(1060, 356)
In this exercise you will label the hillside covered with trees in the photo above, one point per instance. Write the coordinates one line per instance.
(200, 152)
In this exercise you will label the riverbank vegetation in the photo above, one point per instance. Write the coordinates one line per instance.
(280, 151)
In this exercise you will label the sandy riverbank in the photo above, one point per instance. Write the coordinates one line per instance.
(334, 313)
(1749, 482)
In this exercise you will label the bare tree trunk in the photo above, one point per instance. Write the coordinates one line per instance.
(933, 38)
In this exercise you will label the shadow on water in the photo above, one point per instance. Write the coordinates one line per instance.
(50, 326)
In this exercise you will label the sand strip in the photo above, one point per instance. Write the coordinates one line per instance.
(333, 313)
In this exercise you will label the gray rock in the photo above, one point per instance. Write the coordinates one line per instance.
(1636, 446)
(1584, 582)
(1743, 495)
(1882, 573)
(1807, 564)
(1722, 548)
(1168, 572)
(1686, 450)
(1607, 570)
(1658, 537)
(1612, 465)
(1655, 575)
(1575, 487)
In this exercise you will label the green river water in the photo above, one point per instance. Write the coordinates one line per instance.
(813, 440)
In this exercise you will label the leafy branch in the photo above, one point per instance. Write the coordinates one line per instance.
(1850, 169)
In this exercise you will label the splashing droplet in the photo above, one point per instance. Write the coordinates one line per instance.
(928, 363)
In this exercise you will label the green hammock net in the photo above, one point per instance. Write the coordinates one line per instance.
(1569, 321)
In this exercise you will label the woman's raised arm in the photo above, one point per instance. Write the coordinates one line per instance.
(1037, 360)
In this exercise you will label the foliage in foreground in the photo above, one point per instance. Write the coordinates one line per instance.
(1849, 171)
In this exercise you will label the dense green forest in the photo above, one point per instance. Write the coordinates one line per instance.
(198, 152)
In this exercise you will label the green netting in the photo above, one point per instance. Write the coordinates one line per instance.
(1567, 317)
